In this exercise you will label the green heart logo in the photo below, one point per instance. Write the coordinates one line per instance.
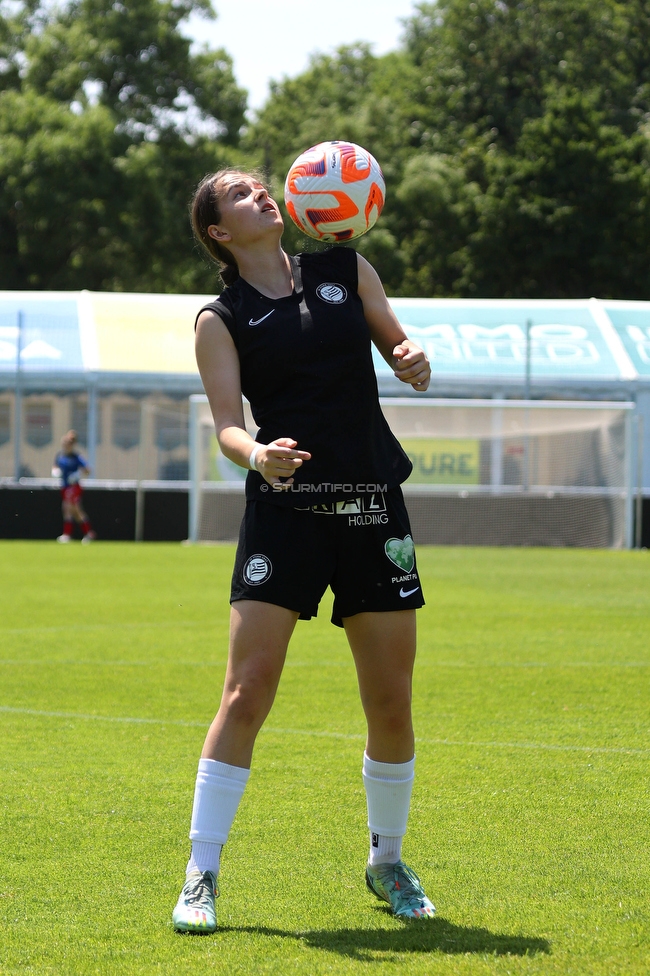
(401, 552)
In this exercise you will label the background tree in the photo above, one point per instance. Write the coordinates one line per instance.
(540, 109)
(514, 138)
(107, 120)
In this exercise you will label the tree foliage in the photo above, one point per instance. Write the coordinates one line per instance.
(107, 121)
(539, 110)
(514, 136)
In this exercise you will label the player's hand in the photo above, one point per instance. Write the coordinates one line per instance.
(279, 459)
(56, 472)
(412, 365)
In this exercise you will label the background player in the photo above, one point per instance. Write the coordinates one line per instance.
(70, 466)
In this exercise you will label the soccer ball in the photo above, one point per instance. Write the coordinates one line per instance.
(335, 191)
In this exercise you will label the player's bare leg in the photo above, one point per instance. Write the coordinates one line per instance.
(78, 513)
(259, 636)
(383, 646)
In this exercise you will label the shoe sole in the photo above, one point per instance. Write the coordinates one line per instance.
(194, 931)
(194, 928)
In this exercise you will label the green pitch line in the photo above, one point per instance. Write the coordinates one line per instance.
(530, 809)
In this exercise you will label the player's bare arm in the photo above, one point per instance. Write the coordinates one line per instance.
(408, 361)
(218, 364)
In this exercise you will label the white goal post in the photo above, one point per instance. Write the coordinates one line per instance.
(485, 472)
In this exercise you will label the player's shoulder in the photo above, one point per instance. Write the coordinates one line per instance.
(223, 305)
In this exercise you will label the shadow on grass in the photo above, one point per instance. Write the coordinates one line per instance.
(436, 935)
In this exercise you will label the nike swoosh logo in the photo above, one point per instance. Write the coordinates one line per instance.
(408, 592)
(257, 321)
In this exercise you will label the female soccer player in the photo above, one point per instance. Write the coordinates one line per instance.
(70, 466)
(324, 507)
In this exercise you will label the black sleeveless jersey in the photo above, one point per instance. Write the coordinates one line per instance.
(307, 371)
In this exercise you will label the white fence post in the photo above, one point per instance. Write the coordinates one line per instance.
(195, 471)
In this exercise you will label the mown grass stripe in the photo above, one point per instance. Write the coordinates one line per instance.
(464, 665)
(316, 733)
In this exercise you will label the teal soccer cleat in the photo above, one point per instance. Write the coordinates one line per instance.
(401, 888)
(195, 910)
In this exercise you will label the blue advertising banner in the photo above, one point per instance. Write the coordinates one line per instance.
(487, 339)
(50, 333)
(632, 323)
(466, 340)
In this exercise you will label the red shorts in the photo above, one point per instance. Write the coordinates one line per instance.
(71, 493)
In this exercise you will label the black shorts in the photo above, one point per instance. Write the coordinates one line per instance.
(361, 547)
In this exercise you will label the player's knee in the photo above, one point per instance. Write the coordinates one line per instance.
(392, 710)
(247, 705)
(251, 695)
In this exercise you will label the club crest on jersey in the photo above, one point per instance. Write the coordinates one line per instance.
(257, 569)
(332, 293)
(401, 552)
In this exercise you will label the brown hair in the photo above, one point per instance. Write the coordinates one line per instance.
(205, 211)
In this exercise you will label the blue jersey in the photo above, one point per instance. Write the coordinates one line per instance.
(70, 466)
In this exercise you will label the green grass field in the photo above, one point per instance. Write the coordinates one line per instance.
(529, 823)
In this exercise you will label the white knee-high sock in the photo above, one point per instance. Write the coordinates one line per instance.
(388, 793)
(219, 788)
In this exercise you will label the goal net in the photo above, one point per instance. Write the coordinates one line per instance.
(485, 472)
